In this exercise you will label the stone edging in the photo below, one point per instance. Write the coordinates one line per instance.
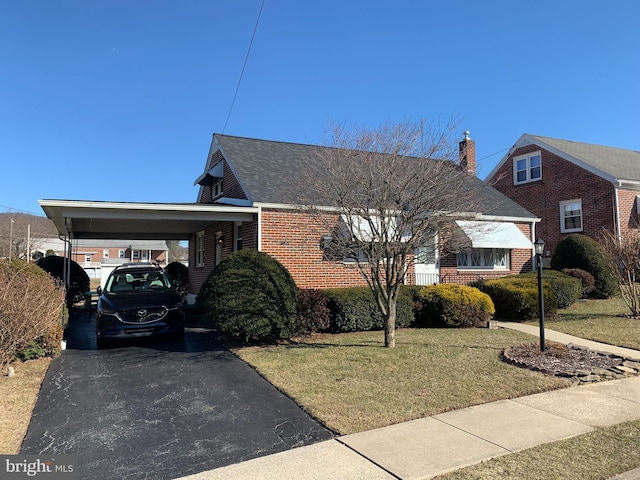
(627, 367)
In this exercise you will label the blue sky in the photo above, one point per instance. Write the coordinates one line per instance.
(118, 99)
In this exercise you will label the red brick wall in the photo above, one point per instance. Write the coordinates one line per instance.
(294, 239)
(561, 180)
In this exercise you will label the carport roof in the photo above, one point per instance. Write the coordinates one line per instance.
(143, 221)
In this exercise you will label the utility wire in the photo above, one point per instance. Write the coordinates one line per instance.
(246, 58)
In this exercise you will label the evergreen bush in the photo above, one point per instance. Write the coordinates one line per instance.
(451, 305)
(586, 279)
(250, 296)
(179, 275)
(580, 251)
(79, 282)
(516, 297)
(313, 313)
(355, 310)
(566, 289)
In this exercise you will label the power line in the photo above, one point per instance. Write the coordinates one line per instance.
(11, 209)
(246, 58)
(503, 150)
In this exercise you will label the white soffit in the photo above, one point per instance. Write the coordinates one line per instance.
(494, 234)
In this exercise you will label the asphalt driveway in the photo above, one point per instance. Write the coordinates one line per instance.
(160, 410)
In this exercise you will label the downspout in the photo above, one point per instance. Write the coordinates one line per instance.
(533, 239)
(259, 228)
(616, 212)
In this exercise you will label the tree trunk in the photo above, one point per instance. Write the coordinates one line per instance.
(390, 325)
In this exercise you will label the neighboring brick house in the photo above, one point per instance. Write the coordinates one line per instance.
(252, 173)
(573, 187)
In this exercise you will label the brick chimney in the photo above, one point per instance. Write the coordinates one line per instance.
(467, 149)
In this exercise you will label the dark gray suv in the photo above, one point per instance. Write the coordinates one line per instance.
(138, 300)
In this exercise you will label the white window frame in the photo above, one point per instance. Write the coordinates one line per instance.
(216, 187)
(105, 253)
(87, 257)
(122, 253)
(200, 249)
(484, 259)
(145, 254)
(564, 217)
(528, 168)
(135, 254)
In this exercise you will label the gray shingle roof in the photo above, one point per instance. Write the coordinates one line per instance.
(268, 169)
(618, 163)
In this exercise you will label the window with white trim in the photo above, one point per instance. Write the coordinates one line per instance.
(216, 187)
(571, 216)
(87, 258)
(527, 168)
(484, 258)
(105, 253)
(200, 249)
(136, 254)
(121, 253)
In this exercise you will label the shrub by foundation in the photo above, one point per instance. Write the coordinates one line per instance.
(454, 305)
(313, 314)
(566, 289)
(355, 310)
(250, 296)
(516, 297)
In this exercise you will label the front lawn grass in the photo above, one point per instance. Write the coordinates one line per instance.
(600, 454)
(18, 396)
(598, 320)
(352, 383)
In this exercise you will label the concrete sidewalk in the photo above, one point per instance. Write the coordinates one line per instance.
(431, 446)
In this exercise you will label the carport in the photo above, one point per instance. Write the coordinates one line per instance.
(79, 219)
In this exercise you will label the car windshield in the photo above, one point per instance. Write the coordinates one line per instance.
(137, 281)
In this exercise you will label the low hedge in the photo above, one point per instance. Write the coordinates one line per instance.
(567, 289)
(355, 310)
(516, 297)
(32, 314)
(451, 305)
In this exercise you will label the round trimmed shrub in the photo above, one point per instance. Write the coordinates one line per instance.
(179, 275)
(79, 280)
(451, 305)
(250, 296)
(580, 251)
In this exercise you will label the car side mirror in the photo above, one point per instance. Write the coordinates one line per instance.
(99, 290)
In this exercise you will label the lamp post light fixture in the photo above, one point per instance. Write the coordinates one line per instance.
(539, 247)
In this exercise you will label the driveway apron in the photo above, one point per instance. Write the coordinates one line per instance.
(160, 410)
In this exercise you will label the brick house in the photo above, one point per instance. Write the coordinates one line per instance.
(252, 173)
(99, 257)
(573, 187)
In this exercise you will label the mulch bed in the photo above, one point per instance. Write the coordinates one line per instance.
(569, 361)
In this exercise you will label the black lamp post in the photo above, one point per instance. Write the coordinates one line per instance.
(539, 246)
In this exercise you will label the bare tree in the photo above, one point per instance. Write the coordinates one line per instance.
(176, 251)
(21, 232)
(622, 256)
(391, 191)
